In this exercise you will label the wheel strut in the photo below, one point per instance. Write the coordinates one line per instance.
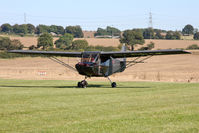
(113, 84)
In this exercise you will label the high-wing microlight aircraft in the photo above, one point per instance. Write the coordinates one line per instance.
(99, 63)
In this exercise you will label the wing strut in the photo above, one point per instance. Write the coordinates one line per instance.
(134, 62)
(62, 63)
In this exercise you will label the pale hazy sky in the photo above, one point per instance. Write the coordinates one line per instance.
(91, 14)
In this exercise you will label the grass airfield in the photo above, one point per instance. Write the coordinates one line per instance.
(58, 106)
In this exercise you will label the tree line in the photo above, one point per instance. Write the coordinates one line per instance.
(149, 33)
(30, 29)
(76, 31)
(65, 42)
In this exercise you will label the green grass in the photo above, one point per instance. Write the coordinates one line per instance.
(57, 106)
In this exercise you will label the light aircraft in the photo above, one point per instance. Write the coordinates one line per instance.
(99, 63)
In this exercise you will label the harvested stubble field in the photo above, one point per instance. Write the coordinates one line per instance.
(57, 106)
(159, 44)
(172, 68)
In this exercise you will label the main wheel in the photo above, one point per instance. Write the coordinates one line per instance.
(79, 84)
(114, 85)
(84, 83)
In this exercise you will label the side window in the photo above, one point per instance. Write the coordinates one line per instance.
(106, 63)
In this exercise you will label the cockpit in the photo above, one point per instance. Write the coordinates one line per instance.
(90, 57)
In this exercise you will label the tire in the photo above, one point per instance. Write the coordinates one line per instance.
(114, 85)
(79, 84)
(84, 84)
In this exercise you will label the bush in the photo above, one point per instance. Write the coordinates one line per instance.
(79, 44)
(45, 41)
(65, 41)
(76, 31)
(196, 36)
(6, 55)
(32, 47)
(194, 46)
(149, 46)
(7, 44)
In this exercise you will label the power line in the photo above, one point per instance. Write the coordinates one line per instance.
(150, 20)
(24, 17)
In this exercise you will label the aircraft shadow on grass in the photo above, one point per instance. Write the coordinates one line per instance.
(89, 86)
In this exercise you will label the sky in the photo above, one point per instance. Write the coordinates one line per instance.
(91, 14)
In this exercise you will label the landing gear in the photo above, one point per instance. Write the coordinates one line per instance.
(113, 84)
(82, 84)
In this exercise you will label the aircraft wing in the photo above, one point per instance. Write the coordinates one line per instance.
(47, 53)
(114, 54)
(122, 54)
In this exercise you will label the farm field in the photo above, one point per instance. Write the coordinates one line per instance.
(170, 68)
(57, 106)
(159, 44)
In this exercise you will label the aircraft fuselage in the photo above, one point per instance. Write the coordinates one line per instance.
(92, 65)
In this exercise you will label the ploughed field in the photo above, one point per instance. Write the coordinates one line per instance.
(57, 106)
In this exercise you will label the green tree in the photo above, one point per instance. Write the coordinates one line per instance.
(45, 41)
(64, 41)
(158, 35)
(113, 31)
(108, 31)
(151, 45)
(148, 47)
(173, 35)
(16, 44)
(76, 31)
(79, 44)
(60, 30)
(177, 35)
(148, 33)
(15, 28)
(4, 43)
(196, 36)
(20, 29)
(53, 28)
(42, 29)
(6, 28)
(32, 47)
(132, 38)
(169, 35)
(7, 44)
(31, 29)
(101, 32)
(188, 29)
(57, 29)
